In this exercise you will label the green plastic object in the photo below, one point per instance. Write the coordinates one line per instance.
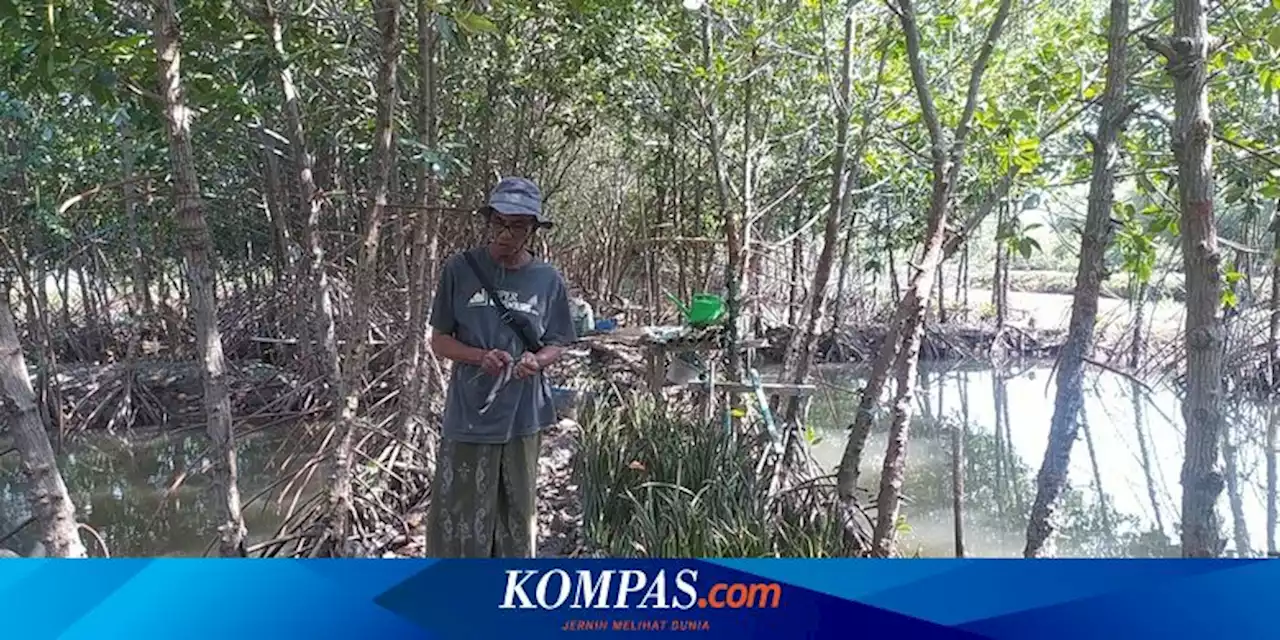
(703, 310)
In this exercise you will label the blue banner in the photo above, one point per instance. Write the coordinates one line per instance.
(278, 599)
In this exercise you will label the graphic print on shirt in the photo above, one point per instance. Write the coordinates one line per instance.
(509, 298)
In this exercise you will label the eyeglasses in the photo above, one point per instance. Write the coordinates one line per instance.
(516, 229)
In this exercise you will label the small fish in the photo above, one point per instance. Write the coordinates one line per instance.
(503, 378)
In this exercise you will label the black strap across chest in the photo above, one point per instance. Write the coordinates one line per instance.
(517, 323)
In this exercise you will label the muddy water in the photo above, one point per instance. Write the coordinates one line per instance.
(121, 490)
(1124, 488)
(1123, 502)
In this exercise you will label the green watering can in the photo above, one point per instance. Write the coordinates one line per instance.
(703, 310)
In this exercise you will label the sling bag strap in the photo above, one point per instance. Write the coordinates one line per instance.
(516, 323)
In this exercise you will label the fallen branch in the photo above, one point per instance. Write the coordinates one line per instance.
(1119, 372)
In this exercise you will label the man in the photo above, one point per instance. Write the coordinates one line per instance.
(484, 498)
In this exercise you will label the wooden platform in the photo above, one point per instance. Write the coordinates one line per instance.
(769, 388)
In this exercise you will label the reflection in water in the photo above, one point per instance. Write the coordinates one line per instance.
(1230, 457)
(1269, 452)
(1098, 491)
(1140, 428)
(959, 435)
(118, 488)
(975, 458)
(1123, 479)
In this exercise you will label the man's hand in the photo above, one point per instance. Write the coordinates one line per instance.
(527, 366)
(494, 361)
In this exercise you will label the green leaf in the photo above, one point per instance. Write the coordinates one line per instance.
(902, 526)
(1229, 299)
(1158, 225)
(1026, 247)
(475, 23)
(1145, 185)
(1218, 61)
(1274, 36)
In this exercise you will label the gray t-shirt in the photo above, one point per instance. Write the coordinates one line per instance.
(462, 309)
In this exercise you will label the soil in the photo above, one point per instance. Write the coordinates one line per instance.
(559, 501)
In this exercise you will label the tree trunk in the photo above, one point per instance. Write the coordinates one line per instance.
(803, 347)
(197, 248)
(893, 472)
(1273, 324)
(895, 293)
(323, 345)
(998, 298)
(732, 218)
(1187, 53)
(1096, 237)
(50, 393)
(864, 416)
(649, 213)
(140, 302)
(91, 334)
(1273, 373)
(47, 495)
(282, 238)
(1138, 345)
(37, 305)
(425, 236)
(838, 304)
(942, 289)
(794, 274)
(947, 164)
(926, 398)
(387, 17)
(738, 223)
(678, 228)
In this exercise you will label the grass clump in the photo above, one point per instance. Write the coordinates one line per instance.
(656, 484)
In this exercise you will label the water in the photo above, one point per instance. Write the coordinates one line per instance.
(1137, 510)
(119, 487)
(119, 490)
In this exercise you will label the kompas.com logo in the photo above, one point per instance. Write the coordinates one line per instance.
(631, 589)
